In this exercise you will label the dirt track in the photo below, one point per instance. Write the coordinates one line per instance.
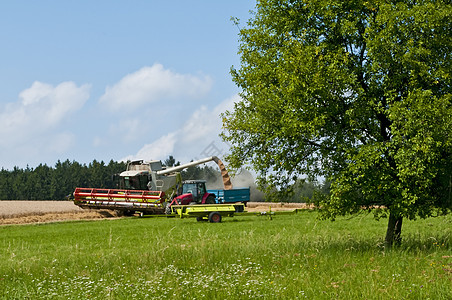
(26, 212)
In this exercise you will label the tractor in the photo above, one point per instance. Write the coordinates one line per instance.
(194, 192)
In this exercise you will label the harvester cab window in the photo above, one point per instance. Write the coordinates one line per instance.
(143, 182)
(132, 183)
(126, 183)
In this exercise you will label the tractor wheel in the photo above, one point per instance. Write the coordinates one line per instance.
(214, 217)
(210, 200)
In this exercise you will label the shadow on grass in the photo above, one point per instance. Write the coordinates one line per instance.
(421, 243)
(409, 244)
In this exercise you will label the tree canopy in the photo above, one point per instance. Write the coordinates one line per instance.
(357, 92)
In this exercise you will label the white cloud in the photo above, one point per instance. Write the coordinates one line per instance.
(227, 104)
(159, 149)
(33, 122)
(151, 84)
(204, 123)
(200, 124)
(51, 104)
(190, 141)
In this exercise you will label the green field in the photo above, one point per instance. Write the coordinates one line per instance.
(289, 257)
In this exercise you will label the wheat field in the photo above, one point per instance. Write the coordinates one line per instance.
(26, 212)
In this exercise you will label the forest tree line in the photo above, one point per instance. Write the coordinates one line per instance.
(58, 182)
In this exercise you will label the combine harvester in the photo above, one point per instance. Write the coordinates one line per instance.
(150, 188)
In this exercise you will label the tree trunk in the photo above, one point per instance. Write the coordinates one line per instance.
(394, 231)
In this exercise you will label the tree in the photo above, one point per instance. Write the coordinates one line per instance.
(358, 92)
(5, 184)
(305, 190)
(171, 162)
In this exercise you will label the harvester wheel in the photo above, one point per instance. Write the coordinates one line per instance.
(128, 213)
(214, 217)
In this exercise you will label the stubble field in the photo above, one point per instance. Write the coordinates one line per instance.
(26, 212)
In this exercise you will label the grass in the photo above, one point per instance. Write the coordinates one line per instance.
(290, 257)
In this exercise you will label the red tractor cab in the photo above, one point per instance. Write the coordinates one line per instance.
(194, 192)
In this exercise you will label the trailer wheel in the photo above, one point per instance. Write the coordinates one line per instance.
(200, 219)
(214, 217)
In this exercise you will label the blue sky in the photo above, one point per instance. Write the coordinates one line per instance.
(84, 80)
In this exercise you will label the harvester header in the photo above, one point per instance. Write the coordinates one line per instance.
(147, 201)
